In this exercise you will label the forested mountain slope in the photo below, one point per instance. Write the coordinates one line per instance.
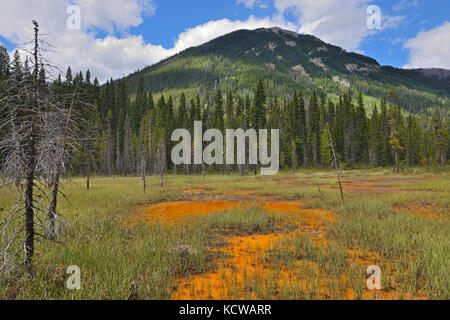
(288, 61)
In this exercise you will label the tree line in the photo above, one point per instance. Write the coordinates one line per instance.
(129, 133)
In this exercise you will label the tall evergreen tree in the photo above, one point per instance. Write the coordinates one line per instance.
(440, 138)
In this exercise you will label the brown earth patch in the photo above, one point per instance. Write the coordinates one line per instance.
(243, 259)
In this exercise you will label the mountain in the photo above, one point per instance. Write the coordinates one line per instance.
(440, 74)
(288, 61)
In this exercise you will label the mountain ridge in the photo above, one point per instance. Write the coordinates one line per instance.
(288, 61)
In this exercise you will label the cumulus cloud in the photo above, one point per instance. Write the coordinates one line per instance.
(339, 22)
(111, 14)
(107, 57)
(213, 29)
(430, 49)
(110, 56)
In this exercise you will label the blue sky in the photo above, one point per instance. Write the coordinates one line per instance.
(386, 46)
(119, 36)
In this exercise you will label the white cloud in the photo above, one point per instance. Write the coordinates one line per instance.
(114, 13)
(430, 49)
(404, 4)
(392, 22)
(110, 56)
(339, 22)
(213, 29)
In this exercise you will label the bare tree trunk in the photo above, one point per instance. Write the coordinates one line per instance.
(29, 214)
(52, 209)
(293, 159)
(31, 165)
(241, 169)
(397, 166)
(87, 168)
(336, 165)
(143, 173)
(161, 162)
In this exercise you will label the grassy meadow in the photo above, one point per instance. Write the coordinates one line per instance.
(285, 237)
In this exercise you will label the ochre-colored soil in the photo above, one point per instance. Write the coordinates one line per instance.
(176, 211)
(172, 212)
(242, 259)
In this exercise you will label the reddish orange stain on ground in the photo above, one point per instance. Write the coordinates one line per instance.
(176, 211)
(171, 212)
(242, 260)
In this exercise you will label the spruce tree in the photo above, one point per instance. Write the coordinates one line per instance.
(440, 138)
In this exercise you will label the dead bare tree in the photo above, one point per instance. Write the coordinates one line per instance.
(161, 162)
(119, 162)
(335, 160)
(61, 140)
(203, 170)
(143, 154)
(35, 130)
(293, 158)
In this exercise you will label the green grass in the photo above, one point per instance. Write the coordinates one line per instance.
(243, 220)
(123, 260)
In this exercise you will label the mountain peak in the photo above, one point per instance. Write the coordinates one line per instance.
(287, 61)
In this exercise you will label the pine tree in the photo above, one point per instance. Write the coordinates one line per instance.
(394, 140)
(383, 136)
(69, 77)
(127, 148)
(315, 127)
(159, 130)
(413, 141)
(259, 107)
(218, 111)
(303, 128)
(373, 137)
(325, 151)
(108, 143)
(182, 112)
(440, 137)
(4, 64)
(362, 130)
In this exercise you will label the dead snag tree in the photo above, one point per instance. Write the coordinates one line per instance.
(35, 127)
(61, 141)
(162, 160)
(335, 160)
